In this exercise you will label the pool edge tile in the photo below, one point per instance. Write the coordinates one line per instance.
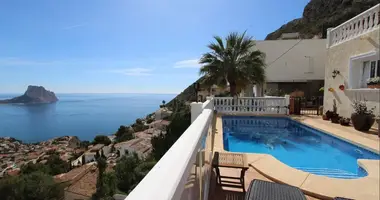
(280, 172)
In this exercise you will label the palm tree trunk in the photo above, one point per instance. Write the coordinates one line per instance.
(233, 94)
(233, 88)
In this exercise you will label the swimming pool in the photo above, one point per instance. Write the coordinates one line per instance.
(295, 144)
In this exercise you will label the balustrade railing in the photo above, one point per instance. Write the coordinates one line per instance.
(253, 105)
(184, 172)
(360, 24)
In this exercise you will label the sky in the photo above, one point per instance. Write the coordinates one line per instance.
(130, 46)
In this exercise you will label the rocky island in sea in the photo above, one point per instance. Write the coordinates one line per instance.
(34, 94)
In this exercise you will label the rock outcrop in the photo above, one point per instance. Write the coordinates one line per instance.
(318, 15)
(33, 95)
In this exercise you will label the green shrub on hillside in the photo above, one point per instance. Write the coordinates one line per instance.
(102, 139)
(33, 186)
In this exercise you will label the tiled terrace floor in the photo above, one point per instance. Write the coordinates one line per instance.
(227, 193)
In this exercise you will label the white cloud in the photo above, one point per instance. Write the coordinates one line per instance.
(13, 61)
(73, 26)
(133, 71)
(192, 63)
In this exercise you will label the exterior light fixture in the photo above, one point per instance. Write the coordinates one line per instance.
(335, 73)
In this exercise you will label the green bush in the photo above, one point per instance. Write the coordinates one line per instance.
(180, 121)
(33, 186)
(149, 120)
(54, 165)
(123, 134)
(130, 170)
(84, 144)
(102, 139)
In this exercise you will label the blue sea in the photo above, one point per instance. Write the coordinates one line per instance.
(82, 115)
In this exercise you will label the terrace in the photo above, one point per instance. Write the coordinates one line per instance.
(354, 28)
(185, 171)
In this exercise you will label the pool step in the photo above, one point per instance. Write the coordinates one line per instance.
(332, 173)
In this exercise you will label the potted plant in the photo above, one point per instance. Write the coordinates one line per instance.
(373, 82)
(335, 118)
(329, 114)
(344, 121)
(324, 117)
(378, 125)
(362, 118)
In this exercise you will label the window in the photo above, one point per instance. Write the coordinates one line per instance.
(365, 74)
(361, 68)
(370, 69)
(373, 69)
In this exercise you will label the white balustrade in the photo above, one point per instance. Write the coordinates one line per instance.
(168, 178)
(359, 25)
(253, 105)
(193, 150)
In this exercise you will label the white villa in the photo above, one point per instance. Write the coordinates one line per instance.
(302, 67)
(352, 49)
(353, 54)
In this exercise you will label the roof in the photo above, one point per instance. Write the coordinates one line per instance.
(13, 172)
(143, 135)
(73, 174)
(86, 185)
(162, 121)
(97, 147)
(128, 143)
(139, 145)
(290, 35)
(89, 153)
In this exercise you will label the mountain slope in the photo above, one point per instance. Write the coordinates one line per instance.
(318, 15)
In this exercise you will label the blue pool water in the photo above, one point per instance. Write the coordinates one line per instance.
(295, 144)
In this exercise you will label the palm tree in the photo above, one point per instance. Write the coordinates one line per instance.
(233, 62)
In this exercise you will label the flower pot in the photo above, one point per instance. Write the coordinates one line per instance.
(329, 114)
(344, 121)
(374, 86)
(324, 117)
(335, 119)
(378, 127)
(362, 122)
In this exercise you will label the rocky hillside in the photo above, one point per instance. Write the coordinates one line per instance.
(34, 94)
(187, 95)
(318, 15)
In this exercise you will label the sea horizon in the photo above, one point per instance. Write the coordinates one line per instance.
(84, 115)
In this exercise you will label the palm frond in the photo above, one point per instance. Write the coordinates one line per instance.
(234, 60)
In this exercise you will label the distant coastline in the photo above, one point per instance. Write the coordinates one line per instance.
(82, 115)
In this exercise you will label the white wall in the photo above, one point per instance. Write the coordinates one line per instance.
(342, 57)
(294, 66)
